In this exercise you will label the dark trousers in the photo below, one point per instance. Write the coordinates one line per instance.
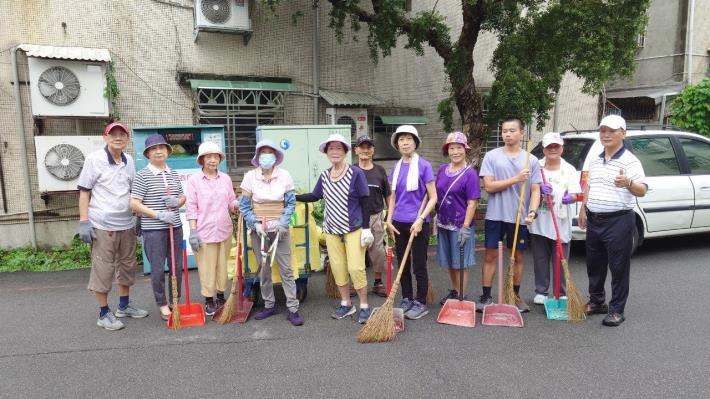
(156, 244)
(417, 258)
(544, 251)
(609, 240)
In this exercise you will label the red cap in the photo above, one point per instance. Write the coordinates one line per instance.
(116, 125)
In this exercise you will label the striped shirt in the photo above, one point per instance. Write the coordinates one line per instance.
(604, 196)
(343, 209)
(149, 188)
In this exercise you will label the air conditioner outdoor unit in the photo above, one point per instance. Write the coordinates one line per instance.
(348, 116)
(222, 16)
(67, 88)
(61, 158)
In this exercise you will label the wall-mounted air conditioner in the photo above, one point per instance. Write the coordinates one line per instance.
(67, 88)
(355, 117)
(61, 158)
(222, 16)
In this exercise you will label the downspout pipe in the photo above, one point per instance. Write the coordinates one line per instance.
(20, 124)
(316, 62)
(689, 43)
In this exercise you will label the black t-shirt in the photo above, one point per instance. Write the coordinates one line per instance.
(379, 187)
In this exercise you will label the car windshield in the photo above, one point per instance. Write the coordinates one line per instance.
(575, 151)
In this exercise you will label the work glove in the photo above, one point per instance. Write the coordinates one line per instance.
(567, 198)
(166, 217)
(86, 232)
(195, 241)
(464, 235)
(138, 228)
(546, 189)
(171, 202)
(259, 229)
(366, 238)
(234, 206)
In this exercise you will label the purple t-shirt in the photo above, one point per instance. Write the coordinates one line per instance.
(462, 187)
(503, 205)
(407, 203)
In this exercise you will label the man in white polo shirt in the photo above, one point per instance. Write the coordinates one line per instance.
(106, 222)
(616, 178)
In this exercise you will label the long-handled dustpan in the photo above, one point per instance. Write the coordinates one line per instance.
(501, 314)
(191, 314)
(458, 312)
(238, 306)
(556, 307)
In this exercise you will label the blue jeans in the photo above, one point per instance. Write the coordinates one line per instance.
(447, 249)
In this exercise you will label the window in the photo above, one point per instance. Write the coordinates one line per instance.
(656, 155)
(575, 151)
(698, 154)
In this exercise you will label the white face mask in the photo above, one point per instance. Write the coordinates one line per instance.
(267, 161)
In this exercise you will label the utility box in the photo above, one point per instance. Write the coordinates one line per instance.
(185, 141)
(302, 158)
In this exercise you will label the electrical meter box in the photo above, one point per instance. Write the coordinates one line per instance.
(185, 141)
(302, 159)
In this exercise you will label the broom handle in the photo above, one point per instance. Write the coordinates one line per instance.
(185, 273)
(237, 263)
(558, 244)
(172, 245)
(520, 204)
(500, 272)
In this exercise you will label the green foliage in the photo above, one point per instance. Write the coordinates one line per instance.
(112, 92)
(691, 108)
(76, 256)
(446, 113)
(318, 210)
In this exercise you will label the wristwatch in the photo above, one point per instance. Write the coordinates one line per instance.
(533, 211)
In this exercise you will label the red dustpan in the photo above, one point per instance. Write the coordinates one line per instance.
(458, 312)
(501, 314)
(191, 314)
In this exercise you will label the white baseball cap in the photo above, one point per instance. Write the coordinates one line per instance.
(552, 138)
(613, 122)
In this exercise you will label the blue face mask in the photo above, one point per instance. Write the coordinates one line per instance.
(267, 161)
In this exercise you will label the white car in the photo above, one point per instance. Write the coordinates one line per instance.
(677, 167)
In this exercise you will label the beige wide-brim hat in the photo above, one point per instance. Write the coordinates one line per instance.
(209, 147)
(409, 129)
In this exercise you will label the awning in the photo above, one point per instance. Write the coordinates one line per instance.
(655, 93)
(404, 120)
(66, 53)
(345, 98)
(241, 85)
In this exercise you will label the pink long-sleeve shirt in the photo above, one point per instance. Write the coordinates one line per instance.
(209, 202)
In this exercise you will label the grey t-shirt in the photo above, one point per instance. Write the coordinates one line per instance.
(503, 205)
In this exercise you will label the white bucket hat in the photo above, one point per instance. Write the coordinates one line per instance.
(209, 147)
(334, 138)
(409, 129)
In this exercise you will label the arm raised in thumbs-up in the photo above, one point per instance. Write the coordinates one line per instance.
(621, 180)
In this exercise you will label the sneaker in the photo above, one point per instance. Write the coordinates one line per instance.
(342, 311)
(295, 318)
(219, 301)
(210, 307)
(594, 308)
(379, 290)
(539, 299)
(613, 319)
(406, 304)
(264, 313)
(417, 311)
(453, 294)
(523, 307)
(483, 300)
(130, 311)
(364, 315)
(109, 322)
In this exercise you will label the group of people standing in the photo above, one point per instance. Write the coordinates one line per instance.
(418, 201)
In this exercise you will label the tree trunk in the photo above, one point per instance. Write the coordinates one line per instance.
(468, 103)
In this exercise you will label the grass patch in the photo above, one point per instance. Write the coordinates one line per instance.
(75, 256)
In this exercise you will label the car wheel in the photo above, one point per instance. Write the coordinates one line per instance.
(635, 239)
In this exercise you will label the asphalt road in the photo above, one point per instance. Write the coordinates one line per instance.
(50, 346)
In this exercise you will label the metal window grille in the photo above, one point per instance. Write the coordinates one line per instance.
(240, 111)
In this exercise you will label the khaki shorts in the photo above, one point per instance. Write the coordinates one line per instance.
(113, 255)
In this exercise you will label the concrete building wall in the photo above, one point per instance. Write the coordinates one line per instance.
(151, 43)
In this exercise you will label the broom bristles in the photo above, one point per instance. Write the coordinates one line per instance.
(575, 300)
(430, 294)
(228, 310)
(380, 326)
(331, 289)
(509, 296)
(176, 308)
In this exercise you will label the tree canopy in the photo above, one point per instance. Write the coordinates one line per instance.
(538, 42)
(691, 109)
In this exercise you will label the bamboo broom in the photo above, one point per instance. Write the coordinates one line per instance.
(380, 327)
(331, 289)
(175, 315)
(509, 296)
(230, 306)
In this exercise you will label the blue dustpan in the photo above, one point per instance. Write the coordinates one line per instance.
(556, 309)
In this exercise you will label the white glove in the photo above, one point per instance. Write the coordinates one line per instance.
(366, 238)
(259, 229)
